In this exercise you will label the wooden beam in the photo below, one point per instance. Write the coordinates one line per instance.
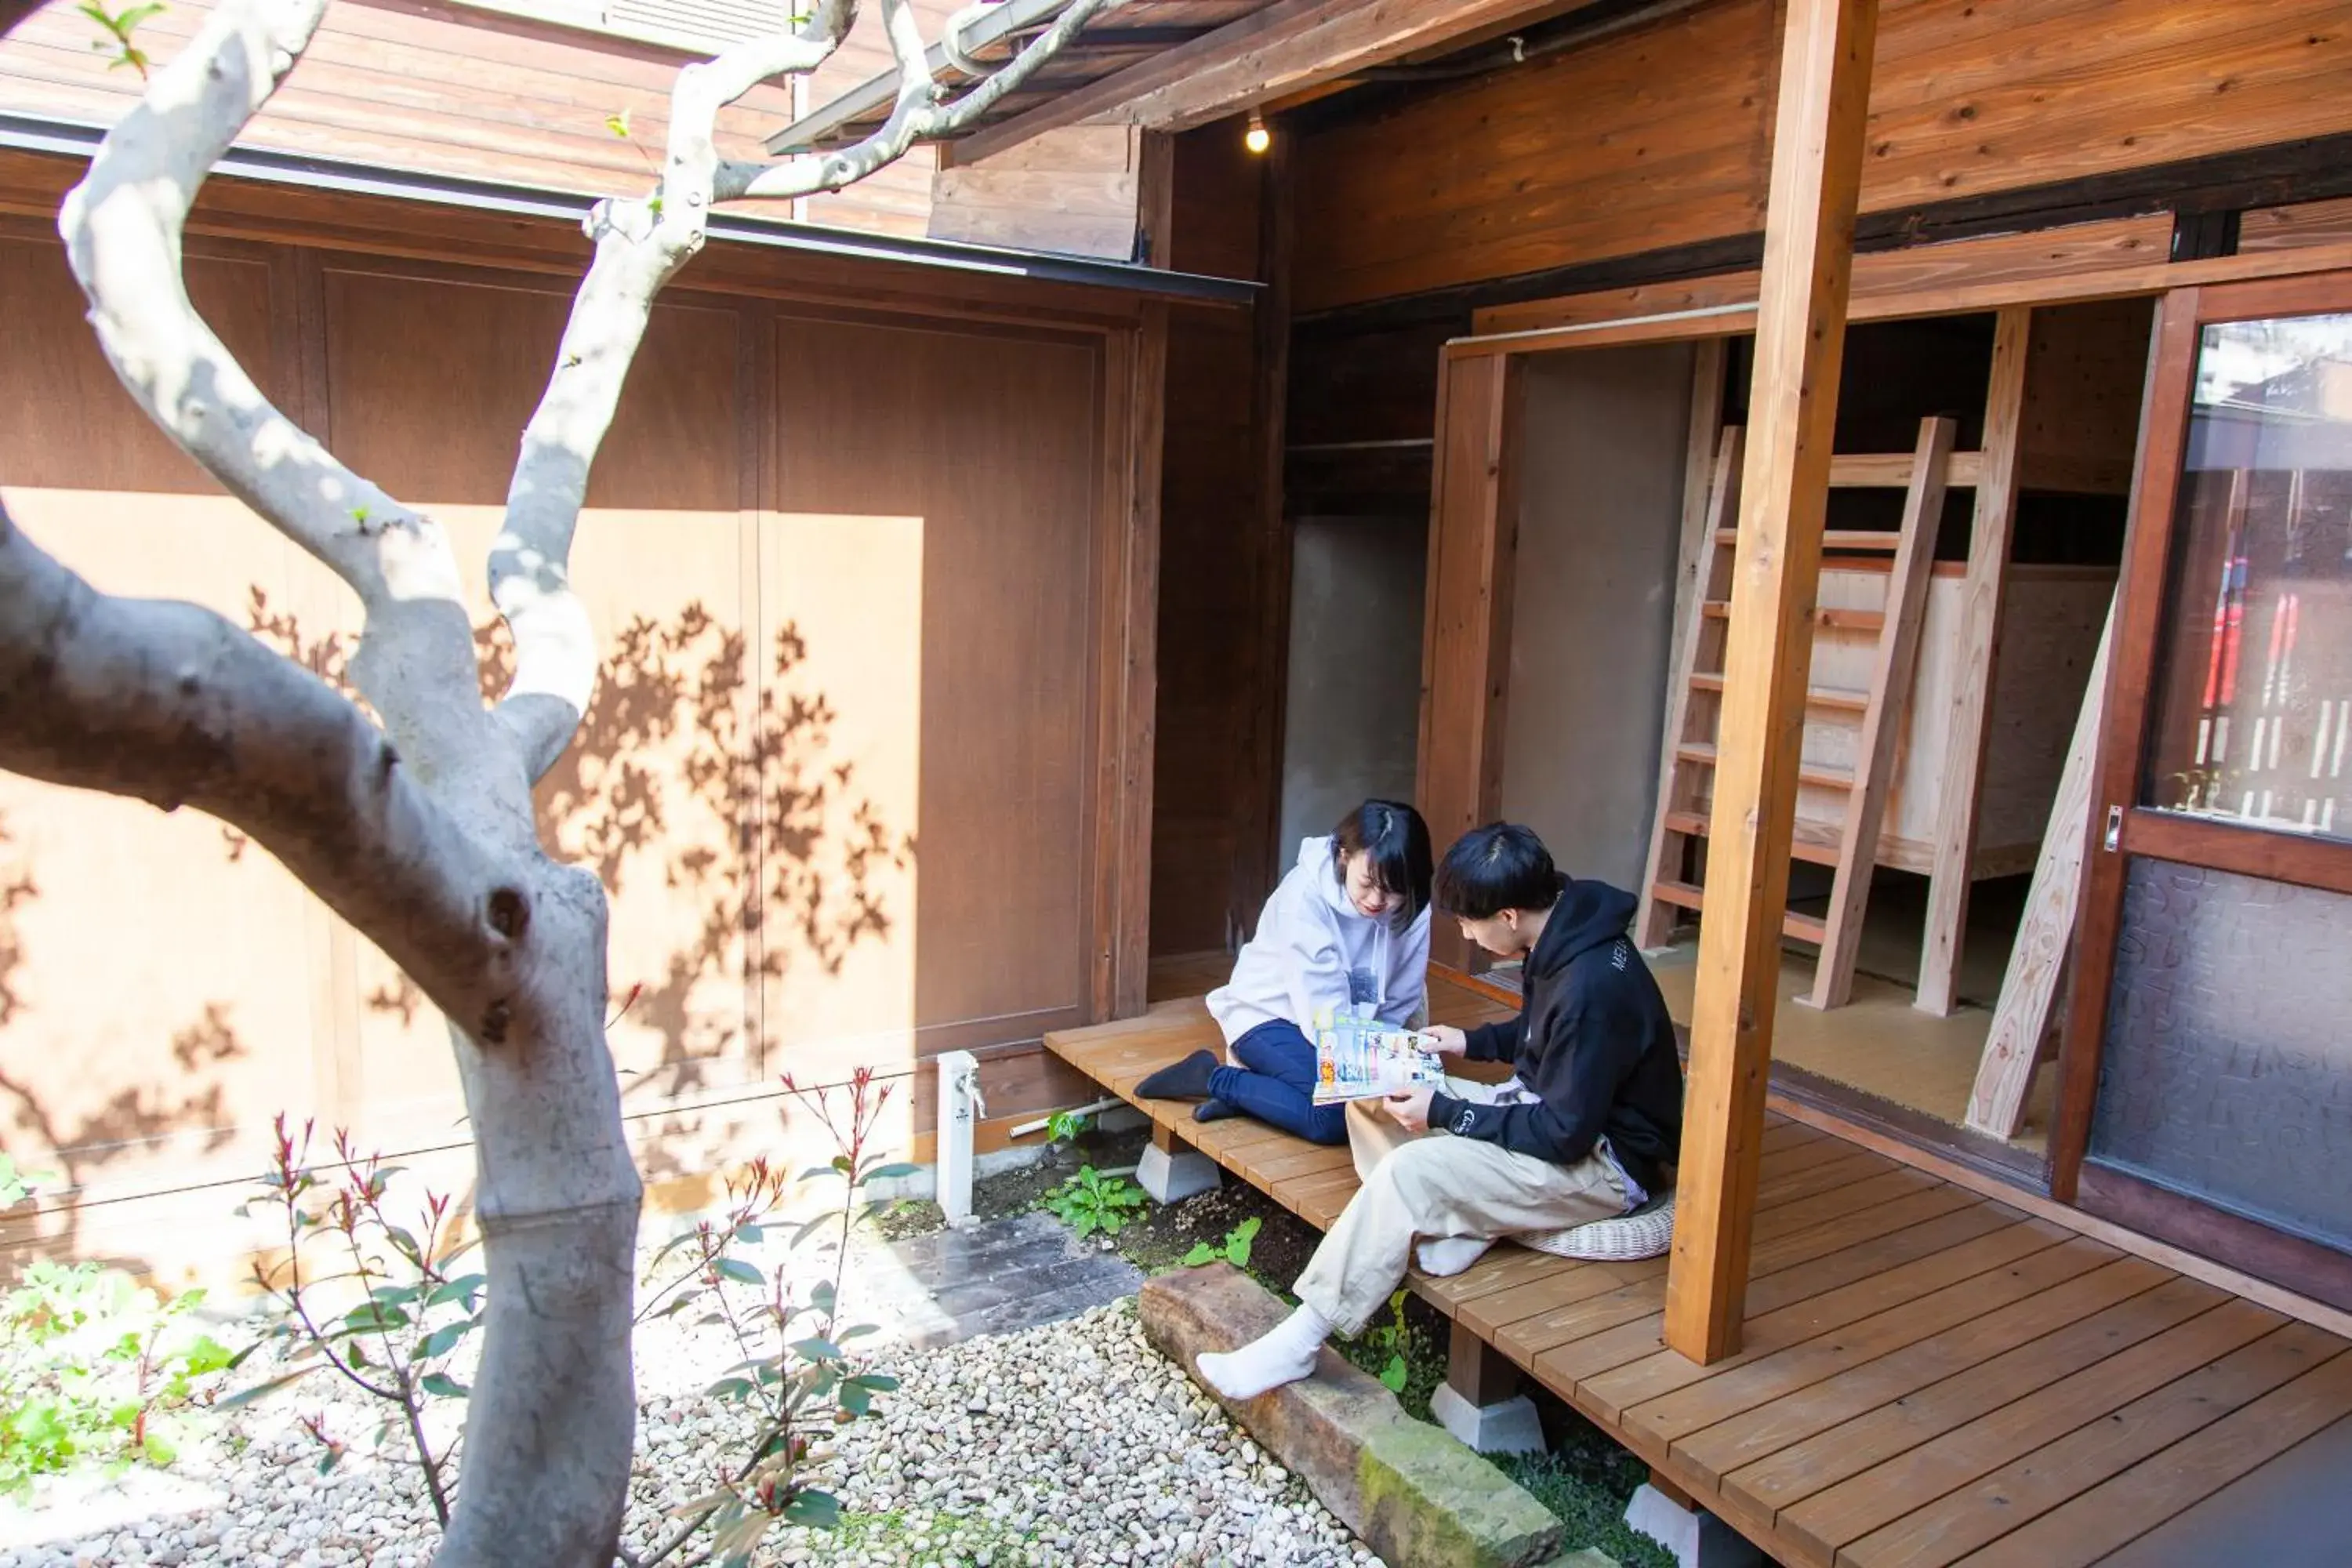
(872, 98)
(1817, 148)
(1883, 721)
(1979, 633)
(1283, 49)
(2037, 961)
(1466, 620)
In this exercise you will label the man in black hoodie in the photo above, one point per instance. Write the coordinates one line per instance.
(1585, 1129)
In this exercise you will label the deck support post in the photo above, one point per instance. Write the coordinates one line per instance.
(1817, 148)
(1480, 1402)
(1171, 1172)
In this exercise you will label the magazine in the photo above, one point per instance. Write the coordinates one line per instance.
(1356, 1057)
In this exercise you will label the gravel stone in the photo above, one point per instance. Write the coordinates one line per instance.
(1072, 1444)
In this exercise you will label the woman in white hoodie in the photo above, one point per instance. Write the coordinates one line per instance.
(1349, 926)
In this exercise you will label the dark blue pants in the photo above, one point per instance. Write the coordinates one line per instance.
(1276, 1083)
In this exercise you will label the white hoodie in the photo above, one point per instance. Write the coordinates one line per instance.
(1314, 949)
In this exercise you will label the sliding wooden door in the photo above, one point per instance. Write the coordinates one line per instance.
(2207, 1069)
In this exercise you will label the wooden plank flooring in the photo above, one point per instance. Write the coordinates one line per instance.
(1927, 1378)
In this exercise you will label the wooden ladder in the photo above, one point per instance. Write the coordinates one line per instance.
(1688, 754)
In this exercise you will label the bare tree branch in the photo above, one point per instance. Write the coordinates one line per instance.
(640, 245)
(173, 704)
(122, 228)
(921, 112)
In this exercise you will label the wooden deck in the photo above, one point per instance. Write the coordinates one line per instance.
(1930, 1376)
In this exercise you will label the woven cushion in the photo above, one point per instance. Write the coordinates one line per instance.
(1647, 1232)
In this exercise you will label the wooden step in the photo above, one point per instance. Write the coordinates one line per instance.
(1825, 620)
(1836, 698)
(1892, 471)
(1836, 539)
(1689, 896)
(1816, 845)
(1702, 754)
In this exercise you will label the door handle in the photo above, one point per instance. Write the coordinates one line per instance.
(2114, 829)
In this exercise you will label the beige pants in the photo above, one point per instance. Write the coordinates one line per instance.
(1436, 1184)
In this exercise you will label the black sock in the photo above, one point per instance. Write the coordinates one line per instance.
(1214, 1110)
(1187, 1079)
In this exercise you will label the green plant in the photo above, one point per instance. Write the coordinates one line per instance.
(16, 1186)
(94, 1365)
(410, 1309)
(795, 1376)
(1090, 1201)
(119, 27)
(1389, 1342)
(1067, 1126)
(1235, 1251)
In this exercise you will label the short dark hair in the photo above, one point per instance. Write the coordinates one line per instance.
(1397, 839)
(1500, 866)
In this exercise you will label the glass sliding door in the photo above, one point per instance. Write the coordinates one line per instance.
(2207, 1085)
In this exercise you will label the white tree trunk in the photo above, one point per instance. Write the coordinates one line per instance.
(419, 833)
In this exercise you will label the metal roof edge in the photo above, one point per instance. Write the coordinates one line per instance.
(34, 133)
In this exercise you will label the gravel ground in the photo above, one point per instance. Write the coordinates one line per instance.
(1073, 1444)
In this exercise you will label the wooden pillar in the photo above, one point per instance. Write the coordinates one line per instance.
(1136, 420)
(1467, 624)
(1989, 534)
(1263, 859)
(1817, 148)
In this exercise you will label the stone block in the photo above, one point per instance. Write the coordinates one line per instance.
(1506, 1427)
(1414, 1493)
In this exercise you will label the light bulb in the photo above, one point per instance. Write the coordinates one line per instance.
(1257, 139)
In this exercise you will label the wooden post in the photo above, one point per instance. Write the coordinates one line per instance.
(1817, 146)
(1466, 635)
(1260, 864)
(1955, 808)
(1476, 1371)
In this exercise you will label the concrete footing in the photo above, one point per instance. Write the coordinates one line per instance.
(1506, 1427)
(1695, 1537)
(1170, 1177)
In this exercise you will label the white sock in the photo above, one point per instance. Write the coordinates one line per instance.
(1443, 1255)
(1285, 1353)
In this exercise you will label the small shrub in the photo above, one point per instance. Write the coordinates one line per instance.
(1090, 1201)
(1235, 1248)
(95, 1366)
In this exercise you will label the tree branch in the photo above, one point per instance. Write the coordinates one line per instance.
(175, 705)
(122, 228)
(640, 245)
(920, 113)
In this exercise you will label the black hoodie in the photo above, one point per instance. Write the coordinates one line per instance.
(1593, 1043)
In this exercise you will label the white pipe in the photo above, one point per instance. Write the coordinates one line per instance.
(1043, 1123)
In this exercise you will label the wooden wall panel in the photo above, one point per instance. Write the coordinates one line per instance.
(845, 571)
(1003, 505)
(1660, 137)
(444, 90)
(72, 391)
(1072, 191)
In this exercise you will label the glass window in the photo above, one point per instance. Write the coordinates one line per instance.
(2254, 696)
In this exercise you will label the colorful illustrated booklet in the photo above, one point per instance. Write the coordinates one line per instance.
(1358, 1057)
